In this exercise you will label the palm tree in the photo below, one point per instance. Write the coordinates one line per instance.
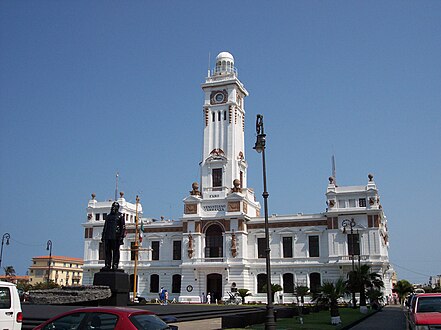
(301, 291)
(375, 297)
(9, 271)
(402, 289)
(362, 279)
(243, 293)
(274, 289)
(329, 293)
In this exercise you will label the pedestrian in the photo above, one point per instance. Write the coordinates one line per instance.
(165, 297)
(161, 296)
(208, 298)
(203, 298)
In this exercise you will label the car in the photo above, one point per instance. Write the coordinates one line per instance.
(11, 316)
(425, 311)
(106, 318)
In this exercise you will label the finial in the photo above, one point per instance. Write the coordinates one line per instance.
(331, 180)
(371, 177)
(93, 195)
(121, 194)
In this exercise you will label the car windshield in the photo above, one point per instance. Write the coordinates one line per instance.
(429, 304)
(148, 322)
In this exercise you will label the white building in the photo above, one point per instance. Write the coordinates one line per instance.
(218, 244)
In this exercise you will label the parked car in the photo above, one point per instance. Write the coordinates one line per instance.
(106, 318)
(11, 316)
(425, 311)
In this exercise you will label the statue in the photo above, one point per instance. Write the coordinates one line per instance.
(113, 236)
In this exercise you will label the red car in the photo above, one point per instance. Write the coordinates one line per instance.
(106, 318)
(425, 311)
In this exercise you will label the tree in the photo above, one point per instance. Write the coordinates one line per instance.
(9, 271)
(402, 289)
(329, 293)
(362, 279)
(243, 293)
(301, 291)
(274, 289)
(375, 297)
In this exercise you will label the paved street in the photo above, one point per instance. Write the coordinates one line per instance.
(390, 317)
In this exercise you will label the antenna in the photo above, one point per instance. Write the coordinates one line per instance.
(334, 172)
(116, 186)
(209, 60)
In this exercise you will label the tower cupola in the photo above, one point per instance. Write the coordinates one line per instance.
(224, 64)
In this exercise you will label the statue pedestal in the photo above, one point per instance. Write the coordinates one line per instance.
(119, 284)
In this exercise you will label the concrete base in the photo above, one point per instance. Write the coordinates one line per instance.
(119, 284)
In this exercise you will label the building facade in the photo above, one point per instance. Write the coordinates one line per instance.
(219, 243)
(65, 271)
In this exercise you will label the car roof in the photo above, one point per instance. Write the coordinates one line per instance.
(429, 295)
(112, 309)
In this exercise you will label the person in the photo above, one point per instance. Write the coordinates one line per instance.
(113, 236)
(203, 298)
(162, 295)
(208, 298)
(165, 297)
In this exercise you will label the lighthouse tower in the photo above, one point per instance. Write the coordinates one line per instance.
(218, 208)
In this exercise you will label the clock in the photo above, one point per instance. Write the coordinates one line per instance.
(218, 97)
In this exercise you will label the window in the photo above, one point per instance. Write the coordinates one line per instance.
(341, 203)
(353, 244)
(132, 251)
(154, 283)
(219, 116)
(70, 321)
(217, 177)
(287, 247)
(102, 321)
(176, 250)
(101, 254)
(213, 242)
(352, 203)
(261, 283)
(97, 216)
(88, 233)
(288, 283)
(362, 202)
(261, 248)
(176, 283)
(314, 246)
(213, 116)
(5, 298)
(104, 216)
(225, 115)
(155, 250)
(314, 282)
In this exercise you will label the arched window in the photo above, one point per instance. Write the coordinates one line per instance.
(154, 283)
(213, 242)
(261, 282)
(176, 283)
(314, 282)
(288, 283)
(132, 277)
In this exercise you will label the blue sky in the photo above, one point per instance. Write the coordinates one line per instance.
(89, 88)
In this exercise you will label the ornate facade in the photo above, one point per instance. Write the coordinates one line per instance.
(218, 244)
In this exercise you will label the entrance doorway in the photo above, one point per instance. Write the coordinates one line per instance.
(214, 287)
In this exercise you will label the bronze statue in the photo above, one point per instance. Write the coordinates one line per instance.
(113, 236)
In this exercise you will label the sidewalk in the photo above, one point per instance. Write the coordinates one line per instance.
(390, 317)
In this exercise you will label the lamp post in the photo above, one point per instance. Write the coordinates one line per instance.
(351, 223)
(49, 248)
(270, 324)
(6, 236)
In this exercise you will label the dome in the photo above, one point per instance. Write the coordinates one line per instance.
(225, 56)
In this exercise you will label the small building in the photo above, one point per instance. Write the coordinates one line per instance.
(64, 271)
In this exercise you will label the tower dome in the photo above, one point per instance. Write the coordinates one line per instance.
(224, 64)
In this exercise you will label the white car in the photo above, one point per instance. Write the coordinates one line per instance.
(11, 316)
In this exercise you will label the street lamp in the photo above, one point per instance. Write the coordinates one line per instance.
(351, 223)
(49, 248)
(270, 324)
(7, 236)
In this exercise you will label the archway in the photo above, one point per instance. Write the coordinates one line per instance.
(214, 286)
(214, 242)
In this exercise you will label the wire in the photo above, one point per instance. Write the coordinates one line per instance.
(26, 244)
(409, 270)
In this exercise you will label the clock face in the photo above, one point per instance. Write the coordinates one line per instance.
(219, 97)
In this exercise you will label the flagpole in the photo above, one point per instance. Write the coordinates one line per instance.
(135, 269)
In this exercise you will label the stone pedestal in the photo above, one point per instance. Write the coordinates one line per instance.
(119, 284)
